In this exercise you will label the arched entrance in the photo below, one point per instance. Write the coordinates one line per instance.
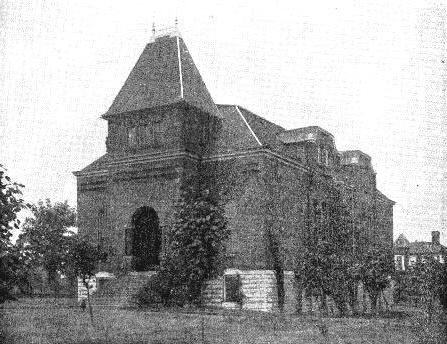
(146, 239)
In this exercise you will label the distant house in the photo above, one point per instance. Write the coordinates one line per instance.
(407, 254)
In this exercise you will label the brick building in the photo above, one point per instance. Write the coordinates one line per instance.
(164, 127)
(407, 254)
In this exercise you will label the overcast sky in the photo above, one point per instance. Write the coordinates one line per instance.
(373, 73)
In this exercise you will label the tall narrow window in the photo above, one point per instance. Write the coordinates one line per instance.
(148, 135)
(326, 157)
(324, 214)
(316, 211)
(157, 134)
(132, 136)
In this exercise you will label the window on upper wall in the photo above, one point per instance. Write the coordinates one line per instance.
(324, 212)
(316, 211)
(326, 157)
(132, 136)
(319, 154)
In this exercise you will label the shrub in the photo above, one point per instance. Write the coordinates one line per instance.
(155, 292)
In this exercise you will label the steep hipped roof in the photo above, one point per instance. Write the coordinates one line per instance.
(164, 74)
(242, 129)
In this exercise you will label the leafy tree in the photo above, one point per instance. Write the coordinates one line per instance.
(11, 203)
(422, 283)
(196, 244)
(312, 272)
(375, 271)
(326, 265)
(274, 250)
(82, 259)
(443, 295)
(45, 237)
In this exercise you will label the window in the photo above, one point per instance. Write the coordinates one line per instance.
(319, 154)
(132, 136)
(148, 135)
(232, 285)
(399, 262)
(324, 212)
(326, 157)
(412, 261)
(316, 211)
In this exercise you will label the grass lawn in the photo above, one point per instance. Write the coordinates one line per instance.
(58, 321)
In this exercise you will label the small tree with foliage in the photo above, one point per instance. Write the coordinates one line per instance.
(11, 203)
(443, 295)
(325, 264)
(45, 237)
(197, 241)
(422, 283)
(82, 259)
(375, 271)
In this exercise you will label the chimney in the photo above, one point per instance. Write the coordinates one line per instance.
(435, 237)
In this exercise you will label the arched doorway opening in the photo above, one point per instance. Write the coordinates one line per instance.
(146, 239)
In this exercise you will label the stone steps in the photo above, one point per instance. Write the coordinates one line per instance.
(120, 291)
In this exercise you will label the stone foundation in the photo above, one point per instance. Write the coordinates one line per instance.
(259, 293)
(258, 289)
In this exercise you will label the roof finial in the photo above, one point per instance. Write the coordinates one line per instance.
(153, 28)
(176, 22)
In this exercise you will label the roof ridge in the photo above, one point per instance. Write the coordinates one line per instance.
(180, 68)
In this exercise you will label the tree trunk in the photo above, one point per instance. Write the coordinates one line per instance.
(323, 305)
(373, 295)
(353, 295)
(298, 297)
(90, 309)
(444, 322)
(279, 272)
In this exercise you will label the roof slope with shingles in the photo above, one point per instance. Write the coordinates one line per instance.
(266, 131)
(242, 130)
(417, 247)
(234, 134)
(164, 74)
(424, 247)
(97, 165)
